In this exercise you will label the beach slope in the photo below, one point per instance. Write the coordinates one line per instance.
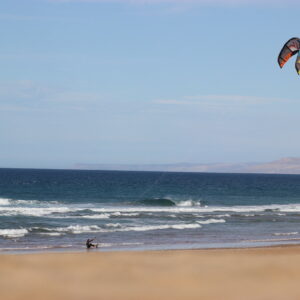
(261, 273)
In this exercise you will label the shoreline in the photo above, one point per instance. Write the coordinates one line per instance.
(293, 242)
(240, 273)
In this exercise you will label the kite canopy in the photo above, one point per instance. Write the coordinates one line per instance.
(290, 48)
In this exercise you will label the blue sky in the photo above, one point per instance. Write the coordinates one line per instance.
(146, 82)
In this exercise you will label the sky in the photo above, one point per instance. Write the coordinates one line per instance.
(143, 82)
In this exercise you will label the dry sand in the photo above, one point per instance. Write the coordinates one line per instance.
(261, 273)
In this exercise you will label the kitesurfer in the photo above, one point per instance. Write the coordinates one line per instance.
(90, 245)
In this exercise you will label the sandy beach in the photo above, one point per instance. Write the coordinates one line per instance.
(260, 273)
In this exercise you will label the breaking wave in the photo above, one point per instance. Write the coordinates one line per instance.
(167, 202)
(159, 227)
(100, 216)
(156, 202)
(35, 208)
(77, 229)
(285, 233)
(80, 229)
(33, 211)
(13, 233)
(8, 202)
(4, 201)
(211, 221)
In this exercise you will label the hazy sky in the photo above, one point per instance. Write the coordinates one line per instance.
(146, 82)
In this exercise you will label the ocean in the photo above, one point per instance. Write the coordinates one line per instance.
(57, 210)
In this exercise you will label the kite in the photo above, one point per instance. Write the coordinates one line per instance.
(290, 48)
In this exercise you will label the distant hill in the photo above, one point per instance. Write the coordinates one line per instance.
(288, 165)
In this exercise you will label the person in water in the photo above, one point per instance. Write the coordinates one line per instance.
(90, 245)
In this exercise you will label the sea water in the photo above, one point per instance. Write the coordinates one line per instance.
(60, 209)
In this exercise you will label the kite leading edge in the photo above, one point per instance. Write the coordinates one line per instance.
(290, 48)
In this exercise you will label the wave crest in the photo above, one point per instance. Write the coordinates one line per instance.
(168, 202)
(13, 233)
(285, 233)
(211, 221)
(157, 202)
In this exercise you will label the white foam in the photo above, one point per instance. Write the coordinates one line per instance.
(211, 221)
(99, 216)
(7, 201)
(105, 245)
(187, 203)
(289, 208)
(32, 211)
(285, 233)
(35, 248)
(77, 229)
(129, 214)
(27, 202)
(172, 216)
(159, 227)
(73, 229)
(116, 214)
(10, 207)
(119, 214)
(130, 244)
(13, 233)
(206, 209)
(273, 240)
(223, 216)
(185, 226)
(4, 201)
(51, 233)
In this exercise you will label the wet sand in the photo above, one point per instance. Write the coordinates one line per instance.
(260, 273)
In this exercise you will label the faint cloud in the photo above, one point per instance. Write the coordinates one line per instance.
(221, 101)
(235, 98)
(29, 95)
(72, 97)
(23, 90)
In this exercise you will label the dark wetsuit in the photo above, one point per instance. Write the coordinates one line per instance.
(89, 244)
